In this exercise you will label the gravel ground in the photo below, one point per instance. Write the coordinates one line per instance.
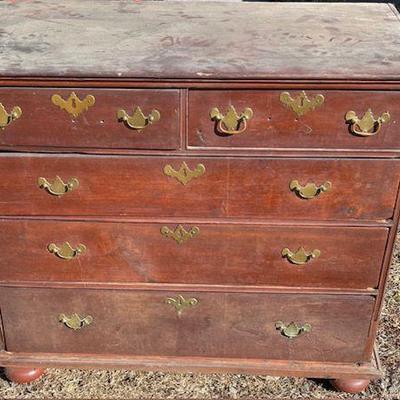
(99, 384)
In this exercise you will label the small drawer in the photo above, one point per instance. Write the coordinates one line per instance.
(290, 119)
(220, 254)
(268, 188)
(164, 323)
(89, 118)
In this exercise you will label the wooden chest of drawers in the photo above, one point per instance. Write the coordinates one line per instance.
(197, 186)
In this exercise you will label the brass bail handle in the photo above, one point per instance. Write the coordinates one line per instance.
(6, 118)
(368, 125)
(292, 329)
(300, 256)
(138, 120)
(58, 187)
(75, 321)
(310, 190)
(231, 123)
(66, 251)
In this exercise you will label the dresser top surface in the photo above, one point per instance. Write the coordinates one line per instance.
(199, 40)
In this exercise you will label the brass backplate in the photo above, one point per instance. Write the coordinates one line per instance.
(6, 118)
(180, 303)
(75, 321)
(301, 104)
(184, 174)
(180, 234)
(309, 190)
(73, 105)
(138, 120)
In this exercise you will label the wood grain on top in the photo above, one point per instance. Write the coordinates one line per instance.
(203, 40)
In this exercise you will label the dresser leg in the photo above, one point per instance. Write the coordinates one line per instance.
(350, 385)
(23, 375)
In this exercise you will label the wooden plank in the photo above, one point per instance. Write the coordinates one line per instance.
(199, 40)
(368, 370)
(241, 188)
(222, 254)
(225, 325)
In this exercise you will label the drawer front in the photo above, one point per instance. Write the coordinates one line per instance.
(228, 325)
(247, 188)
(192, 254)
(65, 122)
(275, 124)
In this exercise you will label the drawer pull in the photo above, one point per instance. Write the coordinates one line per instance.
(301, 256)
(138, 120)
(184, 175)
(58, 187)
(310, 190)
(180, 234)
(231, 123)
(6, 118)
(292, 330)
(301, 104)
(66, 252)
(75, 321)
(367, 125)
(73, 105)
(180, 303)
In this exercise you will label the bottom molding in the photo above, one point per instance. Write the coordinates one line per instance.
(309, 369)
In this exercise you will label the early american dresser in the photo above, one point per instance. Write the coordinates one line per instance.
(197, 186)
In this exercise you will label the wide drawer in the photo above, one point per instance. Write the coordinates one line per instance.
(275, 124)
(289, 189)
(64, 122)
(228, 325)
(191, 254)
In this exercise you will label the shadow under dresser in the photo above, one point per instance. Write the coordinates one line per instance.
(197, 186)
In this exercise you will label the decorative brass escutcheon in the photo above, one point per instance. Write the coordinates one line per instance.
(231, 123)
(300, 256)
(74, 321)
(6, 118)
(184, 175)
(58, 187)
(73, 105)
(180, 303)
(310, 190)
(292, 330)
(367, 125)
(180, 234)
(65, 251)
(301, 104)
(138, 120)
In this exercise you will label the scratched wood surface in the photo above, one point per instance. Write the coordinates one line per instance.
(219, 254)
(198, 40)
(231, 188)
(230, 325)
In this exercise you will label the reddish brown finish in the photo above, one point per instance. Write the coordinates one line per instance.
(242, 204)
(220, 325)
(132, 252)
(314, 369)
(276, 126)
(245, 188)
(43, 124)
(23, 375)
(350, 385)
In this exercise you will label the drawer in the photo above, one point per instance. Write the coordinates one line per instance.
(91, 119)
(333, 257)
(215, 187)
(208, 324)
(275, 124)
